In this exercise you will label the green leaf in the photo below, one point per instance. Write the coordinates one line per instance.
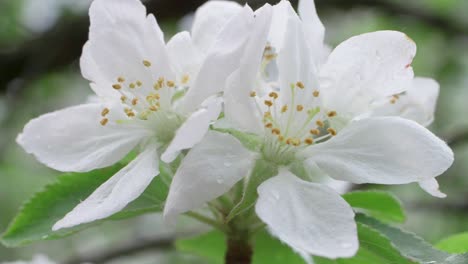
(262, 171)
(454, 244)
(408, 244)
(373, 248)
(379, 204)
(37, 216)
(270, 250)
(249, 140)
(211, 246)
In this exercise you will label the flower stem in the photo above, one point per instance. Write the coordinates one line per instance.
(206, 220)
(239, 251)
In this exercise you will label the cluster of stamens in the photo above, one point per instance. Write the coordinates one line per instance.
(136, 104)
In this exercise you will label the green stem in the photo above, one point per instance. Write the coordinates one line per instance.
(207, 220)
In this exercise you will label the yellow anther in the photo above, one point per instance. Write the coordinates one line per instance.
(309, 141)
(296, 142)
(315, 132)
(284, 108)
(270, 57)
(253, 94)
(396, 96)
(153, 108)
(331, 131)
(393, 101)
(269, 125)
(147, 63)
(276, 131)
(316, 93)
(331, 114)
(319, 123)
(130, 114)
(132, 86)
(161, 81)
(121, 79)
(268, 103)
(139, 83)
(280, 138)
(104, 121)
(156, 86)
(105, 111)
(170, 84)
(299, 108)
(288, 141)
(185, 79)
(134, 101)
(117, 86)
(273, 95)
(300, 85)
(123, 98)
(267, 114)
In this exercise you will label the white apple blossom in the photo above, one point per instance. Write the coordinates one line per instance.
(307, 106)
(153, 97)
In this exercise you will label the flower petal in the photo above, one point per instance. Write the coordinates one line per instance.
(282, 12)
(384, 150)
(313, 28)
(431, 186)
(209, 170)
(369, 66)
(310, 218)
(239, 108)
(210, 19)
(417, 104)
(184, 57)
(193, 130)
(222, 60)
(73, 139)
(117, 192)
(122, 37)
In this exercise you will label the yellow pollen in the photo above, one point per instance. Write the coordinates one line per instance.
(139, 83)
(309, 141)
(147, 63)
(331, 113)
(276, 131)
(130, 114)
(117, 86)
(299, 108)
(153, 108)
(253, 94)
(105, 111)
(123, 98)
(331, 131)
(104, 121)
(185, 79)
(284, 108)
(135, 101)
(273, 95)
(268, 103)
(161, 81)
(315, 132)
(300, 85)
(319, 123)
(270, 56)
(131, 85)
(121, 79)
(316, 93)
(269, 125)
(170, 83)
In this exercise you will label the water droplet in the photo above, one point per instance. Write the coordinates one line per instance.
(227, 164)
(219, 180)
(275, 195)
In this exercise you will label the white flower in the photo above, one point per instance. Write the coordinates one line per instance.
(310, 108)
(153, 97)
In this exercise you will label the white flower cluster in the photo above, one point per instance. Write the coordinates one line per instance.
(356, 112)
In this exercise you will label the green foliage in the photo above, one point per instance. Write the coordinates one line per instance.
(35, 220)
(210, 246)
(454, 244)
(379, 204)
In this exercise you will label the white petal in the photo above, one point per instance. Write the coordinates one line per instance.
(209, 21)
(209, 170)
(384, 150)
(431, 186)
(369, 66)
(184, 56)
(309, 217)
(193, 130)
(282, 12)
(222, 60)
(239, 108)
(117, 192)
(314, 29)
(121, 37)
(73, 139)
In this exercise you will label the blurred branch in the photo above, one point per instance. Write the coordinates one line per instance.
(126, 250)
(457, 138)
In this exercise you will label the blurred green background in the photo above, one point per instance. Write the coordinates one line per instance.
(40, 44)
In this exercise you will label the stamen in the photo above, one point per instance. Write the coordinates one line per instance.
(331, 114)
(117, 86)
(253, 94)
(147, 63)
(299, 108)
(319, 123)
(284, 108)
(268, 103)
(273, 95)
(331, 131)
(123, 98)
(153, 108)
(104, 121)
(309, 141)
(139, 83)
(269, 125)
(105, 111)
(131, 85)
(185, 79)
(315, 132)
(316, 93)
(170, 84)
(276, 131)
(121, 79)
(300, 85)
(135, 101)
